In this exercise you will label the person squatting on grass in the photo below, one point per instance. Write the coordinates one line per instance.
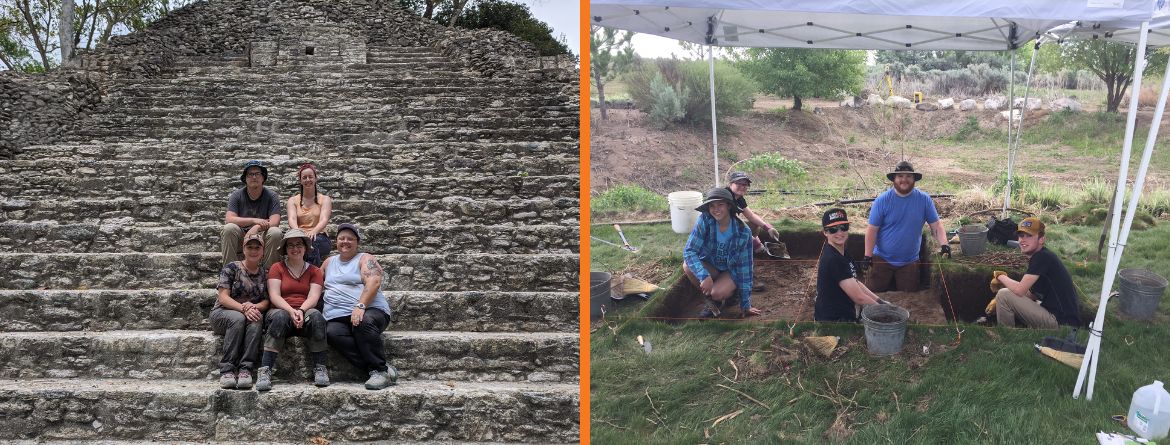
(309, 211)
(294, 288)
(252, 209)
(738, 185)
(894, 236)
(1045, 296)
(355, 308)
(238, 314)
(718, 255)
(837, 287)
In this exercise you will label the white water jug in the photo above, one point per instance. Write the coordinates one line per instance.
(1149, 411)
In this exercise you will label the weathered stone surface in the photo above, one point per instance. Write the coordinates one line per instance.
(108, 310)
(1066, 103)
(946, 104)
(967, 105)
(1014, 115)
(133, 237)
(1034, 103)
(926, 107)
(899, 102)
(994, 102)
(196, 411)
(874, 100)
(162, 354)
(450, 272)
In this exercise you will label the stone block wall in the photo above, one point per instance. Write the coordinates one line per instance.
(39, 108)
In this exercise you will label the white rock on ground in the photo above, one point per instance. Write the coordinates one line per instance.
(967, 105)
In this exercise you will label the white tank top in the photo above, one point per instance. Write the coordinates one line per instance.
(343, 288)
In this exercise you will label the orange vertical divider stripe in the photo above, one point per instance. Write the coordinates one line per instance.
(584, 212)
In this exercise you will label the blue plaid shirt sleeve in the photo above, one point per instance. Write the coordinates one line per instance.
(742, 267)
(696, 247)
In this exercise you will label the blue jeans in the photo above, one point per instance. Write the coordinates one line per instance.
(319, 251)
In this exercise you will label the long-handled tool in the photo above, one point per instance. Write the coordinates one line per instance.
(604, 241)
(625, 242)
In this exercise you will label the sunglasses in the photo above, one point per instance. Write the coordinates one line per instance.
(835, 229)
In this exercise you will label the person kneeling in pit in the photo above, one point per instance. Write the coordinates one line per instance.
(838, 289)
(1044, 297)
(718, 255)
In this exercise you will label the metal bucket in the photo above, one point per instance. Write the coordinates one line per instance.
(1141, 290)
(599, 283)
(973, 239)
(885, 328)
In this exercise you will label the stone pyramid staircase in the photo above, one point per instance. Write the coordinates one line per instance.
(466, 189)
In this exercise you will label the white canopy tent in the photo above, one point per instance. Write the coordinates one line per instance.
(919, 25)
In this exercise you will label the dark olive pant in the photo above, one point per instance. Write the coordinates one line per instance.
(361, 344)
(241, 339)
(905, 278)
(278, 326)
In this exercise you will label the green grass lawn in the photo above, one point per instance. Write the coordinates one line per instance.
(745, 382)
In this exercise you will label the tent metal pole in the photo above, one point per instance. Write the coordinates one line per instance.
(1007, 186)
(1088, 371)
(1014, 146)
(714, 126)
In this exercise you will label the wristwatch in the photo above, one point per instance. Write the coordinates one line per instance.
(359, 306)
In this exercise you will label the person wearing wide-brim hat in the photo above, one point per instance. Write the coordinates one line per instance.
(238, 314)
(838, 290)
(294, 288)
(893, 239)
(718, 256)
(252, 209)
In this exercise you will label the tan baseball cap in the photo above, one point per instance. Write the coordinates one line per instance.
(1032, 226)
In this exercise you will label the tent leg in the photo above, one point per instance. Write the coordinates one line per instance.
(1007, 186)
(714, 129)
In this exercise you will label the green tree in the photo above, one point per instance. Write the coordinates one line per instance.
(1112, 62)
(516, 19)
(802, 72)
(610, 53)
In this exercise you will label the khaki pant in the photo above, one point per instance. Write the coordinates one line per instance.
(1013, 310)
(230, 236)
(905, 278)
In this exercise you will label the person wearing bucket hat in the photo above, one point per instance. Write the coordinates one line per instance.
(738, 184)
(252, 209)
(1045, 296)
(893, 238)
(238, 314)
(717, 258)
(310, 211)
(294, 288)
(838, 290)
(355, 308)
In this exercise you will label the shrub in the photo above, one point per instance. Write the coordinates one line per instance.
(627, 198)
(969, 129)
(666, 104)
(1155, 202)
(691, 84)
(774, 162)
(1021, 186)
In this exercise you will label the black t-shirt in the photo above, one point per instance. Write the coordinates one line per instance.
(1055, 287)
(832, 302)
(739, 202)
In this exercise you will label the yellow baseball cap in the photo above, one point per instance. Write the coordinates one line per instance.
(1032, 226)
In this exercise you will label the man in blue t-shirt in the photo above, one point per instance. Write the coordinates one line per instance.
(1044, 297)
(894, 236)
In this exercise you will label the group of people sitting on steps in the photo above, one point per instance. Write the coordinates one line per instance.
(719, 257)
(287, 285)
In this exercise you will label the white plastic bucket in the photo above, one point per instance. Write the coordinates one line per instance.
(683, 215)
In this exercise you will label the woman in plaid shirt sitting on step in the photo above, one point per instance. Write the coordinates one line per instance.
(718, 255)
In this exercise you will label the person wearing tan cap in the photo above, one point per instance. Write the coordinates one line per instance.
(238, 314)
(1044, 297)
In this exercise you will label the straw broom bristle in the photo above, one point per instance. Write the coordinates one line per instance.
(823, 345)
(635, 286)
(1067, 358)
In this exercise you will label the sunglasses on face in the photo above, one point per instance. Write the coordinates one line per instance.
(835, 229)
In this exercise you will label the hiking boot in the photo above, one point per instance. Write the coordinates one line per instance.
(244, 379)
(264, 378)
(320, 376)
(712, 308)
(227, 380)
(382, 379)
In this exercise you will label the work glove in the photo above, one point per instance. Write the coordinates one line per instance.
(865, 263)
(990, 309)
(945, 250)
(995, 284)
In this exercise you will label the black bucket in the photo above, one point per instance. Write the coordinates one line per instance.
(599, 283)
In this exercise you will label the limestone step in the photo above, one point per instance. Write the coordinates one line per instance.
(292, 156)
(329, 169)
(157, 212)
(204, 237)
(389, 122)
(168, 410)
(190, 354)
(415, 111)
(336, 136)
(427, 65)
(165, 186)
(405, 87)
(412, 272)
(395, 104)
(105, 310)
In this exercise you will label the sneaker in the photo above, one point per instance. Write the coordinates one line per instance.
(320, 376)
(227, 380)
(244, 379)
(264, 378)
(382, 379)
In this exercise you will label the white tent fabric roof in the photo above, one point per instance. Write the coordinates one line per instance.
(864, 24)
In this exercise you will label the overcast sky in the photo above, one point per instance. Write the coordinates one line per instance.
(564, 18)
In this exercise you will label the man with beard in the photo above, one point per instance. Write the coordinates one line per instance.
(894, 236)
